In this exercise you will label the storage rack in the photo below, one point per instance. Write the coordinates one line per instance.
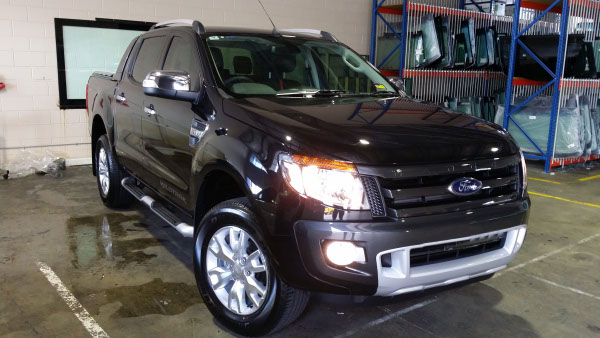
(426, 82)
(540, 17)
(568, 15)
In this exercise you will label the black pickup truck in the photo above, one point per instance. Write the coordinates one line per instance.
(296, 167)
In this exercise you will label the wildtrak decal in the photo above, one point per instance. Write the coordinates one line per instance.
(172, 191)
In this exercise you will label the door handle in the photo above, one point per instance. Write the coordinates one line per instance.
(121, 99)
(149, 110)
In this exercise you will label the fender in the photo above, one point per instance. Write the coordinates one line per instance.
(198, 182)
(253, 171)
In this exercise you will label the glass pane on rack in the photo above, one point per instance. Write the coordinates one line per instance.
(460, 51)
(534, 119)
(468, 31)
(416, 56)
(385, 46)
(431, 45)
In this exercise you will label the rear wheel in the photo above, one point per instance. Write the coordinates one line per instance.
(109, 176)
(235, 276)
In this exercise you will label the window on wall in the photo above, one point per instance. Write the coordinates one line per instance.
(84, 47)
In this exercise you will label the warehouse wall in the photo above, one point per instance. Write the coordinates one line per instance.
(29, 113)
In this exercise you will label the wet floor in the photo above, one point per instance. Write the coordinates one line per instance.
(104, 237)
(134, 274)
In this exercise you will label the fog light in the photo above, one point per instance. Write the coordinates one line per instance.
(344, 253)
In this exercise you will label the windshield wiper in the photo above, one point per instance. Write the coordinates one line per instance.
(381, 94)
(315, 93)
(333, 93)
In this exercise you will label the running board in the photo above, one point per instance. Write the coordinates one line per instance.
(183, 228)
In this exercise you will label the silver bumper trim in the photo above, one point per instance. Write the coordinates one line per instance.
(402, 278)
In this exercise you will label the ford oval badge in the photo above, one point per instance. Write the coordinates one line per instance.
(465, 186)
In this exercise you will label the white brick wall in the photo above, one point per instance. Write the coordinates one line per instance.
(29, 113)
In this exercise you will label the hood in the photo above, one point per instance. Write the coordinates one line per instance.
(373, 131)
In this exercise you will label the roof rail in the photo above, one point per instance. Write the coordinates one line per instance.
(196, 25)
(325, 35)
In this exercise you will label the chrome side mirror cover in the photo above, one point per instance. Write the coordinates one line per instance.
(169, 84)
(397, 81)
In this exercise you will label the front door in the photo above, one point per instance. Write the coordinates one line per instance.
(166, 127)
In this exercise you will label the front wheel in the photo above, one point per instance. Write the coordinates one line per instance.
(235, 276)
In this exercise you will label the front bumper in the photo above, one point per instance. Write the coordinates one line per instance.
(400, 277)
(398, 238)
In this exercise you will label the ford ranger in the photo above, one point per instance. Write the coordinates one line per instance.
(297, 167)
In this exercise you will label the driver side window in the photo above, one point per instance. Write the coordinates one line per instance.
(181, 57)
(148, 57)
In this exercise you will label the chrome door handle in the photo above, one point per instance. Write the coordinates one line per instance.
(121, 99)
(149, 110)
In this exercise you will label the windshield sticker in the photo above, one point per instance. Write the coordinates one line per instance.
(379, 86)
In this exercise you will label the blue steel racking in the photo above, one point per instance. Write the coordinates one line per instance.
(402, 9)
(557, 77)
(377, 13)
(453, 82)
(379, 9)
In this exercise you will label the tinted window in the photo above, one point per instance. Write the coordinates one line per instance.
(147, 59)
(229, 57)
(181, 57)
(269, 65)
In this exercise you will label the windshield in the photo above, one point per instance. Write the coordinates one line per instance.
(289, 66)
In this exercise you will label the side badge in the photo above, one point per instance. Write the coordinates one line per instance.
(197, 130)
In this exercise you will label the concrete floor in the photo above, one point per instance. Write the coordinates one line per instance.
(134, 275)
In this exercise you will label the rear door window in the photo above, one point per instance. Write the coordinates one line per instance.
(148, 58)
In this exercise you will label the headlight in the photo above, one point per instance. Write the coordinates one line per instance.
(334, 183)
(523, 172)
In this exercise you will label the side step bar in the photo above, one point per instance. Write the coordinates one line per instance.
(183, 228)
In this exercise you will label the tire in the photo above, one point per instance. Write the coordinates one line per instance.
(109, 175)
(280, 304)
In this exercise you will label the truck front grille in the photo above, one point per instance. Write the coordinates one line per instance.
(373, 192)
(418, 191)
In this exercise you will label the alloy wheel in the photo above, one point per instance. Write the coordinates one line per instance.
(103, 174)
(237, 271)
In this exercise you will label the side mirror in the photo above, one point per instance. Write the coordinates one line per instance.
(169, 84)
(397, 81)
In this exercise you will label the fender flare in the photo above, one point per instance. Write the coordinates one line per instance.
(216, 166)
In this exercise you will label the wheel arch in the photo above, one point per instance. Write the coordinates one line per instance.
(218, 182)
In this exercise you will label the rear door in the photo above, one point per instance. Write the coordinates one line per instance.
(129, 98)
(167, 131)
